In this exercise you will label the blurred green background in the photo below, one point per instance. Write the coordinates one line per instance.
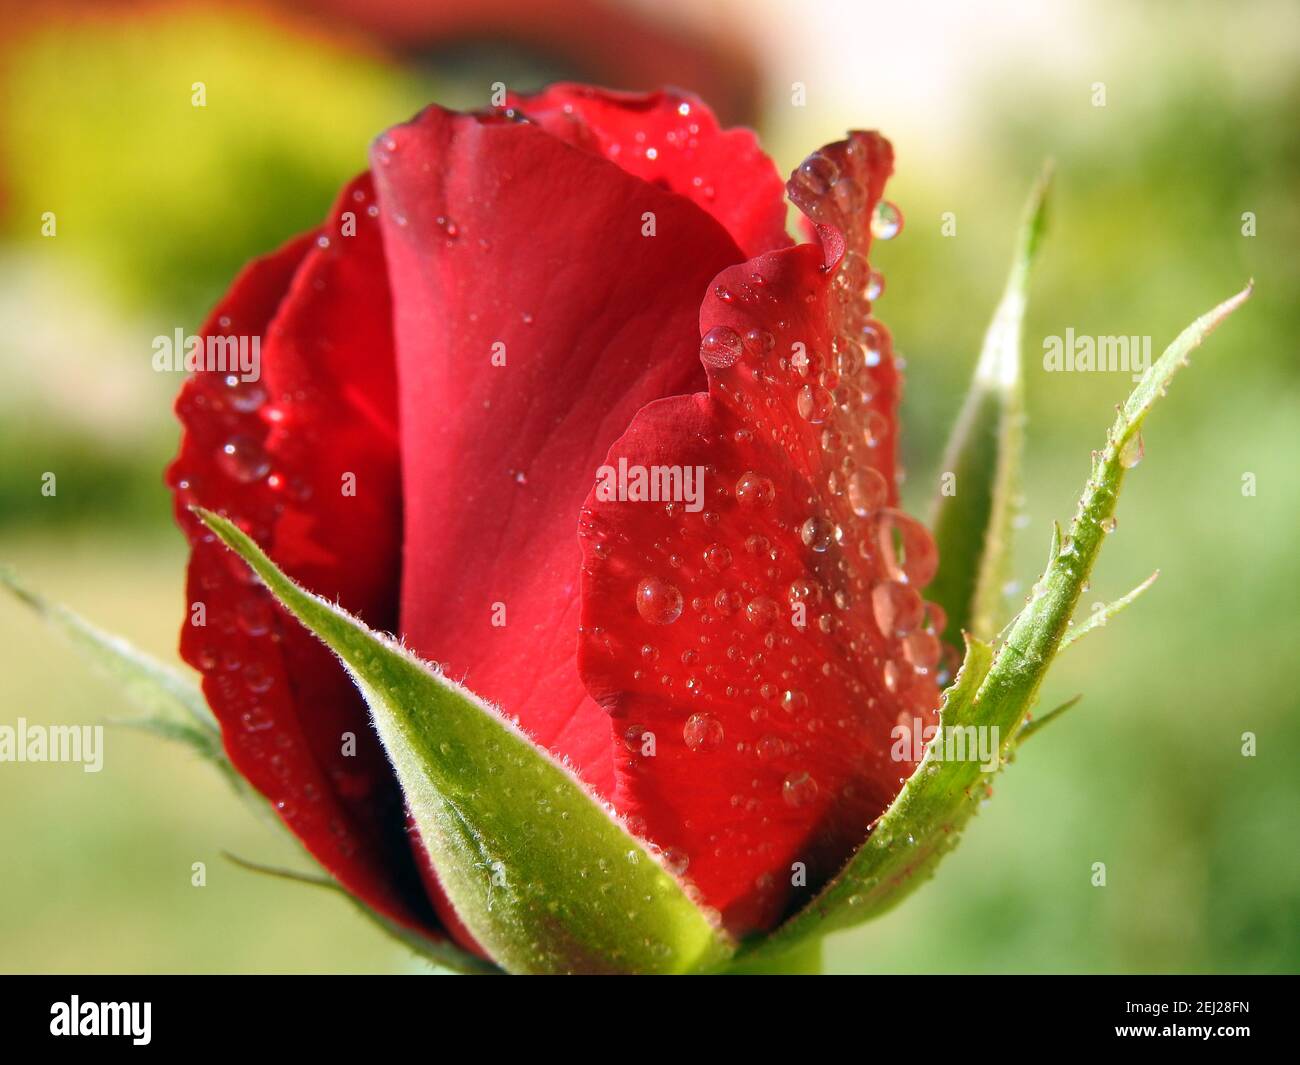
(159, 202)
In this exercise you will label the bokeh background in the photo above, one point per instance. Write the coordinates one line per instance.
(159, 202)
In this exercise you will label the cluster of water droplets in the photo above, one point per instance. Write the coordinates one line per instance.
(798, 514)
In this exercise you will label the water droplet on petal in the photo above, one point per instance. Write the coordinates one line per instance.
(721, 346)
(753, 489)
(759, 341)
(762, 612)
(676, 861)
(906, 547)
(815, 404)
(893, 676)
(717, 557)
(874, 428)
(922, 650)
(816, 533)
(816, 175)
(243, 459)
(886, 221)
(244, 396)
(867, 491)
(798, 789)
(805, 590)
(896, 607)
(702, 733)
(659, 602)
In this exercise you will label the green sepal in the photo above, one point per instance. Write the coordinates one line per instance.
(973, 515)
(543, 876)
(145, 681)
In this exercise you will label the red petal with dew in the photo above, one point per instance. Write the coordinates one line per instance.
(305, 461)
(671, 139)
(533, 319)
(756, 652)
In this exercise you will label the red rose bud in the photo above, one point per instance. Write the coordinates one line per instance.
(553, 396)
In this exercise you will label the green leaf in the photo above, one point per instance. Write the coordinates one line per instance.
(442, 953)
(174, 706)
(144, 680)
(544, 878)
(199, 740)
(1032, 725)
(972, 524)
(1100, 617)
(925, 819)
(177, 711)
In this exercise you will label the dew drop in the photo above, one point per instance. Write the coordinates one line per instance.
(676, 861)
(243, 459)
(853, 273)
(816, 533)
(761, 612)
(1131, 454)
(874, 428)
(798, 789)
(753, 489)
(893, 676)
(847, 194)
(906, 547)
(867, 491)
(244, 396)
(659, 602)
(816, 175)
(872, 341)
(717, 557)
(254, 616)
(815, 404)
(886, 221)
(896, 607)
(1109, 525)
(257, 679)
(805, 590)
(721, 346)
(759, 341)
(922, 650)
(702, 733)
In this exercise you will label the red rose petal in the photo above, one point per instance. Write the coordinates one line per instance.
(279, 456)
(671, 139)
(771, 742)
(501, 238)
